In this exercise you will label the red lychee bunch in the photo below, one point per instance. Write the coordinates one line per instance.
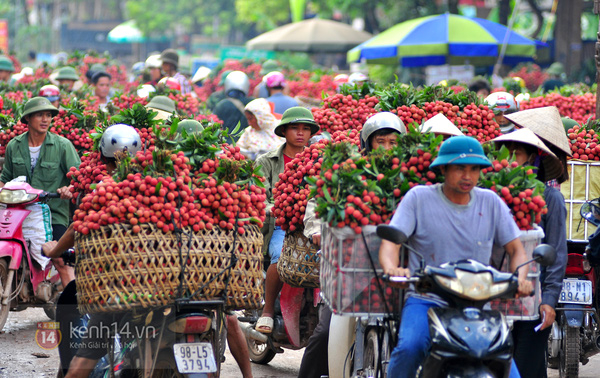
(91, 171)
(291, 192)
(66, 124)
(584, 143)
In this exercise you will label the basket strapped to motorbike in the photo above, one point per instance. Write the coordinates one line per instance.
(525, 308)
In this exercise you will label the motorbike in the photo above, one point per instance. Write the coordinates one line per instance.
(466, 339)
(575, 335)
(23, 282)
(183, 339)
(186, 339)
(296, 317)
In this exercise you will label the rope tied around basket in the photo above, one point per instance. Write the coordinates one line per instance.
(119, 270)
(234, 261)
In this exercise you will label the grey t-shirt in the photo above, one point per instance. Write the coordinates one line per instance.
(443, 231)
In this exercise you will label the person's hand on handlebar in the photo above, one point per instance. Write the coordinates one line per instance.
(64, 192)
(525, 288)
(397, 272)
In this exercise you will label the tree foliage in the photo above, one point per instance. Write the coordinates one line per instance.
(266, 14)
(215, 18)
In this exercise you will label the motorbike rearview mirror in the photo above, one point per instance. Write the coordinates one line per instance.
(544, 254)
(391, 233)
(394, 235)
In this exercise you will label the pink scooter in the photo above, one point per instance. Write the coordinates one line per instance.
(22, 281)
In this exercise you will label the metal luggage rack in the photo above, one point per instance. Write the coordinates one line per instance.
(573, 203)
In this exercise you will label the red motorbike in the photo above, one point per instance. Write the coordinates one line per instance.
(23, 283)
(575, 335)
(296, 317)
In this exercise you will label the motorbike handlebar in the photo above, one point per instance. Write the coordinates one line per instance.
(47, 195)
(398, 279)
(68, 257)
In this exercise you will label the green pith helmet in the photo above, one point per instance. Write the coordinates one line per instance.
(268, 66)
(94, 69)
(191, 126)
(97, 67)
(170, 56)
(67, 73)
(297, 114)
(223, 77)
(461, 150)
(556, 68)
(6, 64)
(569, 123)
(162, 103)
(38, 104)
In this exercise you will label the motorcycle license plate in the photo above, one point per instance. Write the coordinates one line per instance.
(576, 291)
(195, 358)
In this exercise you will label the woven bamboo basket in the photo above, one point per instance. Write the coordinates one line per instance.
(118, 270)
(299, 263)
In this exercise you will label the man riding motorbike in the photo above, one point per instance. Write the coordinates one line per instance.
(447, 222)
(118, 138)
(297, 126)
(379, 131)
(44, 159)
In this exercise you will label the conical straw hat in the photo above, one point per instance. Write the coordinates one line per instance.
(545, 123)
(439, 124)
(552, 165)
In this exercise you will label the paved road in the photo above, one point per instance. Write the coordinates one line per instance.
(21, 357)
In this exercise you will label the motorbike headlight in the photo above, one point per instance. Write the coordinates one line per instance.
(9, 196)
(474, 286)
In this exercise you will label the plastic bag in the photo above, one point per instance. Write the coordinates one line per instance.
(37, 228)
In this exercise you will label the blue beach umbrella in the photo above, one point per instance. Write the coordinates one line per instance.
(444, 39)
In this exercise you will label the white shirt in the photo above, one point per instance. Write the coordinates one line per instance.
(34, 152)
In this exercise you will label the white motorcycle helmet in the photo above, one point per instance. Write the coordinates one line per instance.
(357, 78)
(145, 89)
(380, 121)
(503, 103)
(153, 61)
(237, 80)
(120, 137)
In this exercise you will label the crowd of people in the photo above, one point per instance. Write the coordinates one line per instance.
(275, 128)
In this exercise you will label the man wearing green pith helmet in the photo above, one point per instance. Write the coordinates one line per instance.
(297, 126)
(44, 159)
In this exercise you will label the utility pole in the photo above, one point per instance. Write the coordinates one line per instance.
(597, 56)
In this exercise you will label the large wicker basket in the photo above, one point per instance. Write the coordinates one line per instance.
(299, 263)
(118, 270)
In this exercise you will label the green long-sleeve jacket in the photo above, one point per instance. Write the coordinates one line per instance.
(272, 164)
(57, 156)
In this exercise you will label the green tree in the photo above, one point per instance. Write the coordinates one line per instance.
(266, 14)
(382, 14)
(216, 18)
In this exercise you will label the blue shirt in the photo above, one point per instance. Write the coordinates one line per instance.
(282, 102)
(443, 231)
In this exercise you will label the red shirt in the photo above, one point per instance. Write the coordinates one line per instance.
(286, 159)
